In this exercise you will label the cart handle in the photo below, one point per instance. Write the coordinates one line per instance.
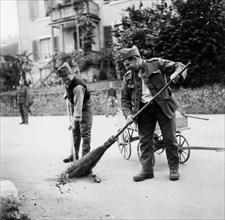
(190, 116)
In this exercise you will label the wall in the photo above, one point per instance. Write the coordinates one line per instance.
(206, 100)
(40, 28)
(51, 102)
(30, 31)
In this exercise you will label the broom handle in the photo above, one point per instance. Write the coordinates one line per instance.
(146, 106)
(70, 119)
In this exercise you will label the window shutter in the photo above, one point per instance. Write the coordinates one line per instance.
(48, 5)
(107, 36)
(33, 9)
(35, 51)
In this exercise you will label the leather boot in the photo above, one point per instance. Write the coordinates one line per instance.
(174, 174)
(68, 159)
(143, 176)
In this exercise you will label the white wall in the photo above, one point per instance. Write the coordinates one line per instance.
(40, 28)
(30, 30)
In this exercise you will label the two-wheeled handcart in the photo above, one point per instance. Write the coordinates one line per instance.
(130, 134)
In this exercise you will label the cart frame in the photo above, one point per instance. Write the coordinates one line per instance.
(130, 135)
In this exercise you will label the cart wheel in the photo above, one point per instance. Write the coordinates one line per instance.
(184, 154)
(159, 144)
(139, 154)
(124, 144)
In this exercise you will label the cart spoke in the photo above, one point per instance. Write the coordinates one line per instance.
(184, 154)
(124, 144)
(125, 152)
(122, 149)
(183, 143)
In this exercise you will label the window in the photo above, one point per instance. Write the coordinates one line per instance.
(107, 36)
(42, 49)
(41, 9)
(37, 9)
(33, 9)
(45, 48)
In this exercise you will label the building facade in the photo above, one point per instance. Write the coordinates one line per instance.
(49, 26)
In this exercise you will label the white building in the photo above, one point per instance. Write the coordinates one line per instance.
(44, 32)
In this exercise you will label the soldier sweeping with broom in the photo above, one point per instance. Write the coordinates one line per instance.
(81, 106)
(142, 81)
(85, 165)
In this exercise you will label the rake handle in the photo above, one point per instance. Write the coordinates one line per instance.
(146, 106)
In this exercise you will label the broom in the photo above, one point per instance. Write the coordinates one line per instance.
(84, 166)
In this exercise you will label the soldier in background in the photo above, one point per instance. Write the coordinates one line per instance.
(22, 100)
(112, 100)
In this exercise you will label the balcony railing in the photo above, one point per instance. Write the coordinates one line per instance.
(66, 11)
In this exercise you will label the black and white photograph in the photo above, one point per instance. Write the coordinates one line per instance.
(112, 109)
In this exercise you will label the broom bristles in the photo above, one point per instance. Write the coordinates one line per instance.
(83, 166)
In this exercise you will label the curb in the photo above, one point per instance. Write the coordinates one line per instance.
(8, 189)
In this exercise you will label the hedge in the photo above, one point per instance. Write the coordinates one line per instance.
(49, 101)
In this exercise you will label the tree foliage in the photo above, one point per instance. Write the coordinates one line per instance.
(191, 30)
(13, 68)
(87, 28)
(86, 24)
(10, 72)
(141, 27)
(197, 34)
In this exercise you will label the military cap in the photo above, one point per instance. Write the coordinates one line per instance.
(127, 53)
(64, 70)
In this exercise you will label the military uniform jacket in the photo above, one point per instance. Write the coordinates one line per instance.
(69, 90)
(22, 95)
(154, 73)
(79, 100)
(112, 92)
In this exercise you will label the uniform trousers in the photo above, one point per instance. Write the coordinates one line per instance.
(83, 131)
(23, 112)
(146, 127)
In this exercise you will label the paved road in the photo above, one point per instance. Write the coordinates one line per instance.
(31, 157)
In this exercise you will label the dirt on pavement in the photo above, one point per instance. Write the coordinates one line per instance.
(31, 157)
